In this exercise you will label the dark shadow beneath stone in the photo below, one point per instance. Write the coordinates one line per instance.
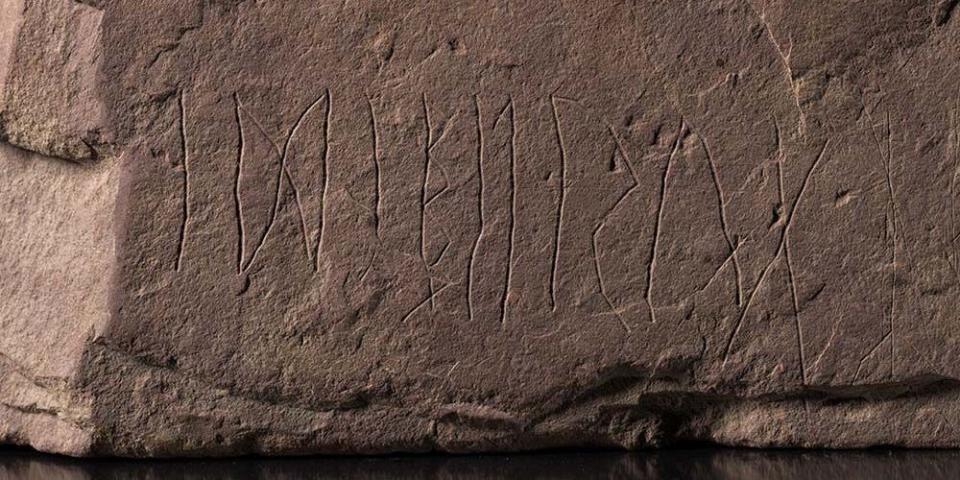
(654, 465)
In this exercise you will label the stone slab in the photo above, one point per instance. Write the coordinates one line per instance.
(236, 227)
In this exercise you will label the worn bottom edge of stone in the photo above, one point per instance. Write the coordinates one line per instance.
(155, 413)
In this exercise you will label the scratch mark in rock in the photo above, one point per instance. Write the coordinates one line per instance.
(716, 273)
(603, 224)
(603, 289)
(796, 311)
(598, 270)
(429, 299)
(886, 157)
(238, 203)
(780, 251)
(362, 206)
(366, 269)
(303, 220)
(326, 179)
(502, 113)
(870, 353)
(423, 198)
(185, 200)
(798, 326)
(513, 212)
(476, 242)
(285, 173)
(724, 225)
(443, 250)
(374, 132)
(954, 144)
(282, 173)
(443, 191)
(785, 60)
(652, 260)
(559, 219)
(826, 345)
(444, 130)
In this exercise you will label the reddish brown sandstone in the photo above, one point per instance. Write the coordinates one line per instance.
(288, 227)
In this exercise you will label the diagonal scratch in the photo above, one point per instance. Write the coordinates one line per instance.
(785, 60)
(776, 257)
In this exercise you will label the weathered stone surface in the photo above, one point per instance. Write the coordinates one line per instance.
(289, 227)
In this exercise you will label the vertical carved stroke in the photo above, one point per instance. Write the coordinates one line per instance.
(181, 243)
(954, 137)
(293, 187)
(596, 232)
(560, 208)
(724, 225)
(798, 326)
(283, 172)
(603, 222)
(326, 178)
(476, 242)
(374, 131)
(886, 156)
(896, 237)
(238, 202)
(780, 250)
(423, 200)
(652, 260)
(513, 213)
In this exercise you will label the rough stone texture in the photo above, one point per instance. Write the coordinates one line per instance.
(367, 226)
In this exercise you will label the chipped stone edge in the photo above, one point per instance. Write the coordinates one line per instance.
(48, 414)
(10, 19)
(36, 126)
